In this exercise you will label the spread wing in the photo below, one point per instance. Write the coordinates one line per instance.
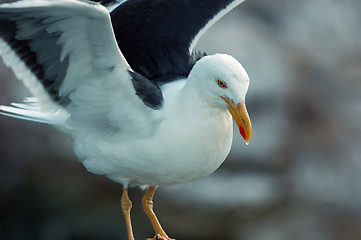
(158, 37)
(65, 52)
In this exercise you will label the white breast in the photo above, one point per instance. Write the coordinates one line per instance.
(192, 142)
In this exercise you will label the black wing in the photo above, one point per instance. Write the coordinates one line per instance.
(157, 36)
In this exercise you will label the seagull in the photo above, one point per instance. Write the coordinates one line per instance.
(123, 81)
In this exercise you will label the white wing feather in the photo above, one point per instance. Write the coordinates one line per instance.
(97, 81)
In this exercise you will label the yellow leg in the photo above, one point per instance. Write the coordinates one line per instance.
(126, 206)
(148, 209)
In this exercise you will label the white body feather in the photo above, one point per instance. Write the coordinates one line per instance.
(179, 151)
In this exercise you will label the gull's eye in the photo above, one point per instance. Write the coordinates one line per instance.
(221, 83)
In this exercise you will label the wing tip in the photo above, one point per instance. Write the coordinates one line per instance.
(33, 113)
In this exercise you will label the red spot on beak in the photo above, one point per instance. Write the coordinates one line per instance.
(242, 132)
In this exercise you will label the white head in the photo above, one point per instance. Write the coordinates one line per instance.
(223, 82)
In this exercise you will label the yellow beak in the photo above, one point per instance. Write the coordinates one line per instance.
(240, 115)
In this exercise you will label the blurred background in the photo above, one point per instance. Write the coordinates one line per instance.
(300, 177)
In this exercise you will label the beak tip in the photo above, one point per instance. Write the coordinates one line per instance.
(247, 140)
(245, 134)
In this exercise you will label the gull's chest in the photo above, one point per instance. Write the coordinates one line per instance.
(192, 149)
